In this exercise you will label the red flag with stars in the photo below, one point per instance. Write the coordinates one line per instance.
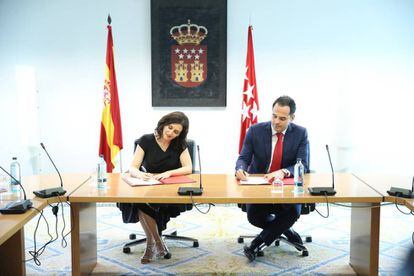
(250, 104)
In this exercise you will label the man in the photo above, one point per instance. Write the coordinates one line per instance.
(272, 148)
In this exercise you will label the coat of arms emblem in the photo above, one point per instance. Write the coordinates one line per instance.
(188, 58)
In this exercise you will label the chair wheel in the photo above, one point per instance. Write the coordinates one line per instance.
(277, 243)
(308, 239)
(305, 253)
(240, 240)
(195, 244)
(260, 253)
(167, 256)
(132, 236)
(126, 250)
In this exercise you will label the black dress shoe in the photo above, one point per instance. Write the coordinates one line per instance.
(293, 237)
(249, 253)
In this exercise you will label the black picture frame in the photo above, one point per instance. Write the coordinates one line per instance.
(182, 86)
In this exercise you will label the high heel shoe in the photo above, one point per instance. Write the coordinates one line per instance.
(148, 254)
(162, 250)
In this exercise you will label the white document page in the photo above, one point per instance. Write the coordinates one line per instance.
(133, 181)
(254, 180)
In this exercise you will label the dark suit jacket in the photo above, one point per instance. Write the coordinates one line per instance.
(257, 146)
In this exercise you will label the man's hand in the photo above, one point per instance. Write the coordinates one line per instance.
(276, 174)
(241, 174)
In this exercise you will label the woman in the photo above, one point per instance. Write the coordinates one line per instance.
(159, 155)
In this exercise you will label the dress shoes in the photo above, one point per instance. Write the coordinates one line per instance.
(292, 236)
(249, 253)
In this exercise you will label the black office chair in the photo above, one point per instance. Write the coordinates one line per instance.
(306, 209)
(170, 234)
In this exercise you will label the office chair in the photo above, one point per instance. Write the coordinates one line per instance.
(306, 209)
(170, 234)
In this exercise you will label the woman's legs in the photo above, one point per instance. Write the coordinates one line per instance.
(149, 250)
(160, 246)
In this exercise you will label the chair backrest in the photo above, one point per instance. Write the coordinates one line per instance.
(191, 144)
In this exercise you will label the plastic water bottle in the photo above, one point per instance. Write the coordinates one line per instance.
(16, 173)
(101, 178)
(298, 174)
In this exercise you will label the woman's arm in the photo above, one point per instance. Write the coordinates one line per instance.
(136, 163)
(186, 167)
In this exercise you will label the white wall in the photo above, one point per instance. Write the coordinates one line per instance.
(348, 64)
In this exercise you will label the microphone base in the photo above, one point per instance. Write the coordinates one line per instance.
(16, 207)
(400, 192)
(51, 192)
(190, 191)
(321, 191)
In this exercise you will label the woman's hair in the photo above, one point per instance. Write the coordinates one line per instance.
(176, 117)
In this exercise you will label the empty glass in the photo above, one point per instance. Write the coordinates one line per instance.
(277, 186)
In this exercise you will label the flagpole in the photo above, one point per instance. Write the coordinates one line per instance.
(120, 161)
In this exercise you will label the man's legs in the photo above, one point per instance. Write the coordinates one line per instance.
(274, 219)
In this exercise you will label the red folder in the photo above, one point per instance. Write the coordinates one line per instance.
(177, 180)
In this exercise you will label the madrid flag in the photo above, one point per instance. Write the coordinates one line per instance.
(250, 103)
(111, 130)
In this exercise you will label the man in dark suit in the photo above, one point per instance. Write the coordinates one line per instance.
(272, 148)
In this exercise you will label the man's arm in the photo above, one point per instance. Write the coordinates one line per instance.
(246, 153)
(302, 153)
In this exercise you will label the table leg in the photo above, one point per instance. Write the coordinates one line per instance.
(84, 242)
(12, 255)
(364, 251)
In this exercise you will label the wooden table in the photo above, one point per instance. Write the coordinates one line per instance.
(382, 183)
(12, 226)
(219, 188)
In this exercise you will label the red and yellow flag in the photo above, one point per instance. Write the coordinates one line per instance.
(111, 130)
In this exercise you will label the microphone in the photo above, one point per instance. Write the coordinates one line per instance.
(192, 190)
(400, 192)
(51, 192)
(19, 206)
(325, 190)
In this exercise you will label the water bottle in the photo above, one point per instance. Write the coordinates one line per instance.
(16, 173)
(298, 174)
(101, 173)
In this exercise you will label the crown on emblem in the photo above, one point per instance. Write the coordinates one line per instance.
(188, 33)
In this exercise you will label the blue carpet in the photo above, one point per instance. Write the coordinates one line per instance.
(219, 252)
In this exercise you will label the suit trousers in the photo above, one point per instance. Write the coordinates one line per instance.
(274, 219)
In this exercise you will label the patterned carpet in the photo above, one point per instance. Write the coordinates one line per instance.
(219, 252)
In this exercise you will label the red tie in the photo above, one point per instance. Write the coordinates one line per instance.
(277, 154)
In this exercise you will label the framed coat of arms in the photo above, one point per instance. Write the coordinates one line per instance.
(189, 52)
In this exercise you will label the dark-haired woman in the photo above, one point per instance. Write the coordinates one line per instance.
(164, 154)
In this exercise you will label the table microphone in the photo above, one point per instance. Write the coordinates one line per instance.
(400, 192)
(19, 206)
(325, 190)
(191, 190)
(51, 192)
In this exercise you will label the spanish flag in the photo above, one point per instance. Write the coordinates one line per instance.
(111, 130)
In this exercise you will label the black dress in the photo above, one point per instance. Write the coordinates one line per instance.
(156, 161)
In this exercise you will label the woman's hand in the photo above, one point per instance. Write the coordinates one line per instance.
(134, 172)
(163, 175)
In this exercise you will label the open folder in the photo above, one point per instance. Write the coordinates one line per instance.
(133, 181)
